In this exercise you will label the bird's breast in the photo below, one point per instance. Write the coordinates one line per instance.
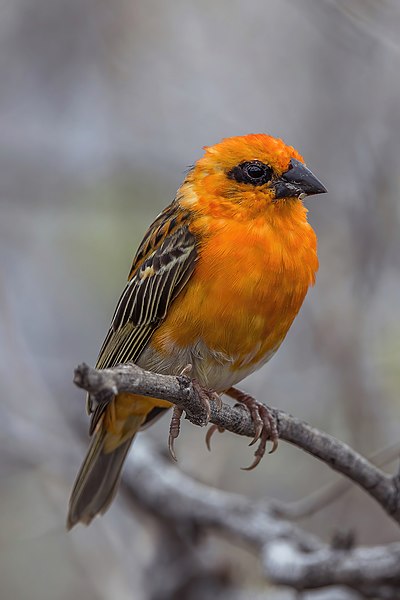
(248, 285)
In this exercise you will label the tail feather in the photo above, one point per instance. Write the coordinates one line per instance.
(97, 480)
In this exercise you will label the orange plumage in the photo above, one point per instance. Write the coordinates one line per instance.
(216, 283)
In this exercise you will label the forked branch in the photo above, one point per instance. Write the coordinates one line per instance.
(179, 390)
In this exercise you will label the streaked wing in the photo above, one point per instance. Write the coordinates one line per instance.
(162, 266)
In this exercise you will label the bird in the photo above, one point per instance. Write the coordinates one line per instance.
(214, 286)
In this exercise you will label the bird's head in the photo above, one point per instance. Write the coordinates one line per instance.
(255, 171)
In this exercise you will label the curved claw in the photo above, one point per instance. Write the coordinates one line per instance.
(275, 442)
(253, 464)
(259, 453)
(171, 441)
(258, 428)
(210, 433)
(265, 425)
(273, 431)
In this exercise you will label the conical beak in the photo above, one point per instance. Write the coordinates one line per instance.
(298, 181)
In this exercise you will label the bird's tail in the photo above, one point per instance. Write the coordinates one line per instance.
(98, 478)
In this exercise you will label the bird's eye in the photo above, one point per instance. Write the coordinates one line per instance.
(253, 171)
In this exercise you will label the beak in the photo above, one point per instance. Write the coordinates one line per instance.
(298, 181)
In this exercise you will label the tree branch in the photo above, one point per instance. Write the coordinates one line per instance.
(104, 384)
(289, 555)
(322, 497)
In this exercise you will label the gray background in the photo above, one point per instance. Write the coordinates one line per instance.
(102, 107)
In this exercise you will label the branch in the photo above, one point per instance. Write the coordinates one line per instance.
(289, 555)
(104, 384)
(321, 498)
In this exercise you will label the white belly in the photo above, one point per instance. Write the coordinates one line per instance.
(210, 369)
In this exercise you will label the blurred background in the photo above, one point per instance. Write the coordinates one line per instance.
(102, 107)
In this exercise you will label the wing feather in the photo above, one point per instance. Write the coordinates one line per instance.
(162, 267)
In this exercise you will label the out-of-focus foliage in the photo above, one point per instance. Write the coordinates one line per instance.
(103, 106)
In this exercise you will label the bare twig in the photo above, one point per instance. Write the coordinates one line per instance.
(180, 391)
(290, 556)
(322, 497)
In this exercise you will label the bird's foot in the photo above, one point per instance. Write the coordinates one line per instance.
(205, 395)
(174, 430)
(264, 424)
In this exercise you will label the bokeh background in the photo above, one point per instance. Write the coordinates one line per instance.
(102, 107)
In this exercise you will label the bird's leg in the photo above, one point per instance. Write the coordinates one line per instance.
(174, 429)
(205, 395)
(264, 424)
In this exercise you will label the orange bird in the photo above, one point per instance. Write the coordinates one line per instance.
(215, 284)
